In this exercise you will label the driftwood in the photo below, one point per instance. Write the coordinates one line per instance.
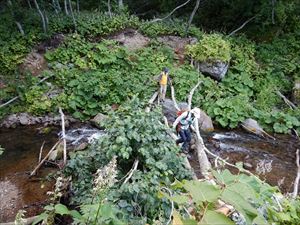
(25, 221)
(63, 134)
(41, 163)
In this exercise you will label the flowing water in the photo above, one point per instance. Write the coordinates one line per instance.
(272, 160)
(22, 146)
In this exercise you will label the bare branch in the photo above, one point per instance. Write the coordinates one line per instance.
(178, 7)
(41, 152)
(10, 101)
(151, 100)
(288, 102)
(241, 27)
(41, 15)
(192, 17)
(63, 134)
(190, 97)
(17, 97)
(134, 167)
(296, 183)
(19, 25)
(41, 163)
(72, 14)
(174, 98)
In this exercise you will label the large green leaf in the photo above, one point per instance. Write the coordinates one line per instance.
(202, 191)
(237, 199)
(213, 218)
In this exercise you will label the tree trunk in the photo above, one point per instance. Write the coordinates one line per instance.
(66, 7)
(41, 15)
(58, 5)
(72, 14)
(77, 5)
(29, 4)
(19, 25)
(121, 4)
(109, 8)
(192, 17)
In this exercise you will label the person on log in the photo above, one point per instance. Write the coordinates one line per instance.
(183, 125)
(164, 79)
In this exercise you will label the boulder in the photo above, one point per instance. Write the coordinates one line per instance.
(98, 119)
(252, 126)
(215, 69)
(170, 112)
(296, 92)
(205, 122)
(131, 39)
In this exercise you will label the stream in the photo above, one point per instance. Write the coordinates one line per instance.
(272, 160)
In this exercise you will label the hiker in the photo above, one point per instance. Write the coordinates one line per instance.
(183, 124)
(164, 79)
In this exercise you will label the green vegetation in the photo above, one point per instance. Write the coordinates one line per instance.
(88, 73)
(210, 48)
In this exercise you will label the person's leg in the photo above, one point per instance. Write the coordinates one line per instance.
(164, 92)
(188, 136)
(161, 91)
(182, 137)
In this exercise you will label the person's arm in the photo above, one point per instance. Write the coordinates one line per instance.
(183, 115)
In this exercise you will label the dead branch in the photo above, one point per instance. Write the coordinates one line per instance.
(296, 183)
(41, 152)
(190, 97)
(178, 7)
(63, 134)
(192, 17)
(174, 98)
(151, 100)
(10, 101)
(288, 102)
(134, 167)
(17, 97)
(241, 27)
(41, 163)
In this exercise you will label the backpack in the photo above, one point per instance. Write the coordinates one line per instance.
(178, 126)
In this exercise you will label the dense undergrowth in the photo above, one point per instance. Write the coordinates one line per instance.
(88, 75)
(95, 75)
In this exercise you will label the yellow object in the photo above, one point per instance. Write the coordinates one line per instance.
(164, 79)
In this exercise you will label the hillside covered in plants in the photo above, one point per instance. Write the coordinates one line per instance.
(90, 57)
